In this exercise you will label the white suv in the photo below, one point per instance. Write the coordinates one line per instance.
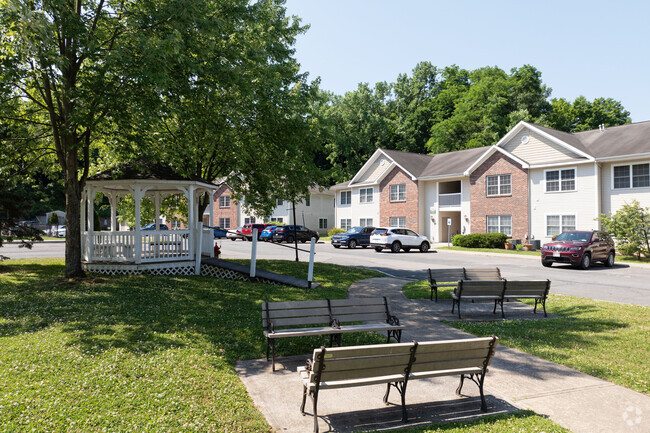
(397, 238)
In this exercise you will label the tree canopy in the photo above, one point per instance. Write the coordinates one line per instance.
(207, 86)
(437, 110)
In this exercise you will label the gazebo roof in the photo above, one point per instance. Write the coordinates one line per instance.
(145, 172)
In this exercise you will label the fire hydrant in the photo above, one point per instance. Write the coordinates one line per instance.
(217, 250)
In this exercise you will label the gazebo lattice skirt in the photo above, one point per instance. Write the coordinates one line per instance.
(170, 268)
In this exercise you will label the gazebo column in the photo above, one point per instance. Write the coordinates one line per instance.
(137, 197)
(90, 239)
(156, 206)
(210, 195)
(113, 199)
(82, 226)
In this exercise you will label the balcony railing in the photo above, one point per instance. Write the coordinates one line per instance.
(449, 200)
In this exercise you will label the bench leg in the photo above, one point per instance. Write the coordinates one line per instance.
(503, 316)
(388, 385)
(459, 309)
(480, 388)
(544, 305)
(304, 398)
(495, 307)
(535, 309)
(314, 398)
(403, 392)
(460, 386)
(434, 290)
(268, 343)
(273, 355)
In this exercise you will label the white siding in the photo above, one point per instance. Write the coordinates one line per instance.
(581, 202)
(435, 228)
(372, 173)
(429, 209)
(614, 199)
(538, 149)
(357, 210)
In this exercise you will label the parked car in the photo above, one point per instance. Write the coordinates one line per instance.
(234, 234)
(580, 249)
(247, 230)
(267, 233)
(61, 231)
(152, 226)
(396, 239)
(286, 234)
(218, 232)
(355, 236)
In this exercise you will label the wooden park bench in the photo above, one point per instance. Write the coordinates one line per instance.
(332, 317)
(500, 290)
(395, 365)
(450, 277)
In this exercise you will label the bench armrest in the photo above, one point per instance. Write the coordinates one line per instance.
(393, 320)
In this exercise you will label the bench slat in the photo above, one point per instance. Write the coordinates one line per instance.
(357, 301)
(360, 317)
(359, 309)
(296, 304)
(449, 364)
(292, 321)
(304, 312)
(482, 274)
(368, 362)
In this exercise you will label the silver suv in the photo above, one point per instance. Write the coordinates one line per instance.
(396, 239)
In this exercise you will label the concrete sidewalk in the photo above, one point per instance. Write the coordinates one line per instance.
(516, 380)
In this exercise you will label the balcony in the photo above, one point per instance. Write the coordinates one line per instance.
(449, 200)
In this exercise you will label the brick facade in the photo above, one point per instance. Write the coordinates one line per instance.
(407, 208)
(515, 204)
(225, 212)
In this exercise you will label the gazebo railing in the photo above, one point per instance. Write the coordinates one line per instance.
(156, 246)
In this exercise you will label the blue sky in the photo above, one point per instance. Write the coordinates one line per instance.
(595, 48)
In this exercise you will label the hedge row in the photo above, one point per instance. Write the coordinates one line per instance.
(480, 240)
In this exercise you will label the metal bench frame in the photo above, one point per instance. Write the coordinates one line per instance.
(449, 277)
(333, 317)
(468, 358)
(500, 290)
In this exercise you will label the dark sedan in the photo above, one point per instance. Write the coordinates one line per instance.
(287, 233)
(355, 236)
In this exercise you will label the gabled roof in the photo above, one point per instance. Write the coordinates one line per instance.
(341, 185)
(617, 141)
(452, 163)
(144, 170)
(413, 163)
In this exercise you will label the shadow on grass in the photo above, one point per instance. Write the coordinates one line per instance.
(147, 313)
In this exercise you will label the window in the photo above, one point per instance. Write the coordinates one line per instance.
(561, 180)
(176, 224)
(276, 219)
(365, 222)
(346, 223)
(397, 221)
(556, 224)
(636, 175)
(499, 224)
(398, 192)
(279, 202)
(322, 223)
(224, 201)
(249, 220)
(308, 201)
(346, 197)
(365, 195)
(498, 185)
(224, 223)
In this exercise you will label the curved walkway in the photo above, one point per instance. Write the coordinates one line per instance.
(516, 380)
(575, 400)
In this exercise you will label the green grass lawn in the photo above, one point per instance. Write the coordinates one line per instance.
(604, 339)
(152, 354)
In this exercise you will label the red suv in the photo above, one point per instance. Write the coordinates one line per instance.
(580, 248)
(247, 230)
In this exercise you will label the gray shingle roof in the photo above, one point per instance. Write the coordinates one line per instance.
(143, 170)
(414, 163)
(631, 139)
(451, 163)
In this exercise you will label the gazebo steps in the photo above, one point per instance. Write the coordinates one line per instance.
(235, 271)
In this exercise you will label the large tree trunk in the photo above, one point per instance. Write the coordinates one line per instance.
(72, 217)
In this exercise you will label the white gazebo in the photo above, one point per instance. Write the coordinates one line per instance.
(159, 252)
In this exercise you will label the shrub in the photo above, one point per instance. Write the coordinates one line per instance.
(335, 231)
(480, 240)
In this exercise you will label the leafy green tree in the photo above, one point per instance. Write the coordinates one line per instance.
(583, 115)
(81, 81)
(630, 226)
(54, 219)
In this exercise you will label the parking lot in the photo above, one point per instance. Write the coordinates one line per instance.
(621, 283)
